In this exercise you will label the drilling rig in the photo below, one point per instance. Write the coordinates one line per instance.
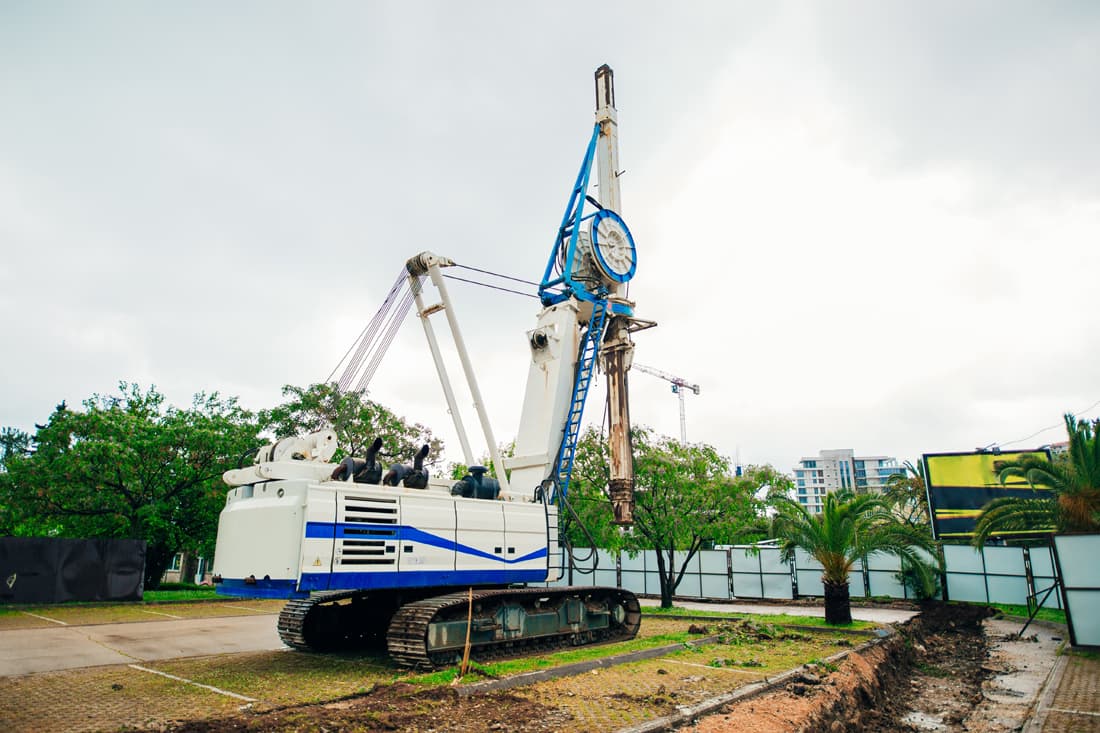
(431, 567)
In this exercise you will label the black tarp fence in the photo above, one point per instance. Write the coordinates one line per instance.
(53, 570)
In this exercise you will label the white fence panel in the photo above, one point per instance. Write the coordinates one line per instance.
(633, 572)
(1004, 560)
(778, 586)
(965, 574)
(991, 575)
(1006, 589)
(744, 561)
(1045, 576)
(652, 577)
(1081, 579)
(714, 578)
(882, 575)
(748, 585)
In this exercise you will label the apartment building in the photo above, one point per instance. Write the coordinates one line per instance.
(832, 470)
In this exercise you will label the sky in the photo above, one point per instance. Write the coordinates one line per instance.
(866, 225)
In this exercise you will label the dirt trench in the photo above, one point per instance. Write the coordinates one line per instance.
(927, 677)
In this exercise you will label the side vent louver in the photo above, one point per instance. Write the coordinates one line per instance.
(376, 546)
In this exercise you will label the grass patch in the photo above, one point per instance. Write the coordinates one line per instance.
(510, 667)
(827, 667)
(1046, 614)
(194, 593)
(1084, 653)
(776, 619)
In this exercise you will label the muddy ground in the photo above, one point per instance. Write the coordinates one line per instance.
(928, 677)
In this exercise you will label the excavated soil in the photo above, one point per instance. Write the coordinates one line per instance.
(926, 677)
(399, 707)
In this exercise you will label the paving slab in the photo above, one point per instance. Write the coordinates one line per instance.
(1074, 705)
(28, 651)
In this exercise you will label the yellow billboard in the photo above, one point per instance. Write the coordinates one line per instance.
(960, 484)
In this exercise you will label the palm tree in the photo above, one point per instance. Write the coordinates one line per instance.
(849, 528)
(1073, 501)
(907, 492)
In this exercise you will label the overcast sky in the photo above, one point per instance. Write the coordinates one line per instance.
(867, 225)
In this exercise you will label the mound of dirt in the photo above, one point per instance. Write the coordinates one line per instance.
(393, 708)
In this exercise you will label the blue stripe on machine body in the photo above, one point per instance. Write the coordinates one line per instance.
(328, 530)
(416, 579)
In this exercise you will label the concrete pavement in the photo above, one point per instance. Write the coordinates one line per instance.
(69, 647)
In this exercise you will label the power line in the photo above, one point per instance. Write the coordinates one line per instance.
(1050, 427)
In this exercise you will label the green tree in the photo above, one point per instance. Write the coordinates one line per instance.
(1073, 500)
(907, 493)
(129, 466)
(458, 470)
(686, 497)
(356, 420)
(14, 444)
(850, 527)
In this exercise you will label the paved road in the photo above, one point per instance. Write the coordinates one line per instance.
(68, 647)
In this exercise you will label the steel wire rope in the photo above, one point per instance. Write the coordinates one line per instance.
(366, 335)
(497, 274)
(399, 315)
(362, 344)
(383, 345)
(369, 342)
(487, 285)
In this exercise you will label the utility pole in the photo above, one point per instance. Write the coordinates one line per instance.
(679, 385)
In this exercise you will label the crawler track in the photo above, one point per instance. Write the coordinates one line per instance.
(430, 632)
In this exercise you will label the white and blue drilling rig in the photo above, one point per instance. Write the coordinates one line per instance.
(428, 566)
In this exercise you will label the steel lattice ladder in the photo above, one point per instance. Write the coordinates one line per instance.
(586, 368)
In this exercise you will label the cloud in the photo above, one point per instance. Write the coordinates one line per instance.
(867, 227)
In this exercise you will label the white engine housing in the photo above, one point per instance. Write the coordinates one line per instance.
(290, 537)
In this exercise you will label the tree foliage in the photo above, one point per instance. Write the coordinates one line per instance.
(1073, 504)
(686, 497)
(849, 528)
(356, 420)
(908, 494)
(129, 466)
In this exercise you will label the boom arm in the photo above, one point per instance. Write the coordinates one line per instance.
(587, 315)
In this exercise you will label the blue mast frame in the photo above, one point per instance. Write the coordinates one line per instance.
(558, 289)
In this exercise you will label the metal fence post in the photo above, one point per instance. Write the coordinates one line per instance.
(866, 577)
(729, 572)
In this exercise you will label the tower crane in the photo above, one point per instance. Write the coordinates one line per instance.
(679, 384)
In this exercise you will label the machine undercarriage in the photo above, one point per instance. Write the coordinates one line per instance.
(431, 631)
